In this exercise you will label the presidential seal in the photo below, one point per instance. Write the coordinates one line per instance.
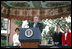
(28, 33)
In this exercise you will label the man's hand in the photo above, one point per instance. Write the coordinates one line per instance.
(17, 43)
(66, 45)
(56, 43)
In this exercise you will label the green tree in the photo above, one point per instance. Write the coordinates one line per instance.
(18, 22)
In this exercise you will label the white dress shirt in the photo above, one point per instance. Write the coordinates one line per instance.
(16, 39)
(34, 25)
(65, 35)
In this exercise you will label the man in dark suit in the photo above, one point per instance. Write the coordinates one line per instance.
(57, 37)
(36, 24)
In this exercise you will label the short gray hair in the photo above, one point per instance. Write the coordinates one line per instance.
(36, 16)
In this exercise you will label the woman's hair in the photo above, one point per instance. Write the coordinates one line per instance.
(17, 29)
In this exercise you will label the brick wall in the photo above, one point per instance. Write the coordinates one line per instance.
(13, 26)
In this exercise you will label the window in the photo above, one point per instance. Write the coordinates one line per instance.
(4, 24)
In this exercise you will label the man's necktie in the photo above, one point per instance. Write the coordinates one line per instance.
(34, 25)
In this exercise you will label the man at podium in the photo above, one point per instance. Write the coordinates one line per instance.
(36, 23)
(31, 37)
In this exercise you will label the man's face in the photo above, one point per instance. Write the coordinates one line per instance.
(58, 29)
(36, 19)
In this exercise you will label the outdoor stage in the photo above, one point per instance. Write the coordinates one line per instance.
(50, 13)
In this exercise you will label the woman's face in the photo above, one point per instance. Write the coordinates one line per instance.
(66, 29)
(17, 31)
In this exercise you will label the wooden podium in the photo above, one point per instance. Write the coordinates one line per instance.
(29, 44)
(30, 37)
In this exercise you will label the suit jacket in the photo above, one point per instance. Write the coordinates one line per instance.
(68, 39)
(57, 37)
(39, 25)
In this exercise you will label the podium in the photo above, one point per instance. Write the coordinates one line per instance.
(30, 37)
